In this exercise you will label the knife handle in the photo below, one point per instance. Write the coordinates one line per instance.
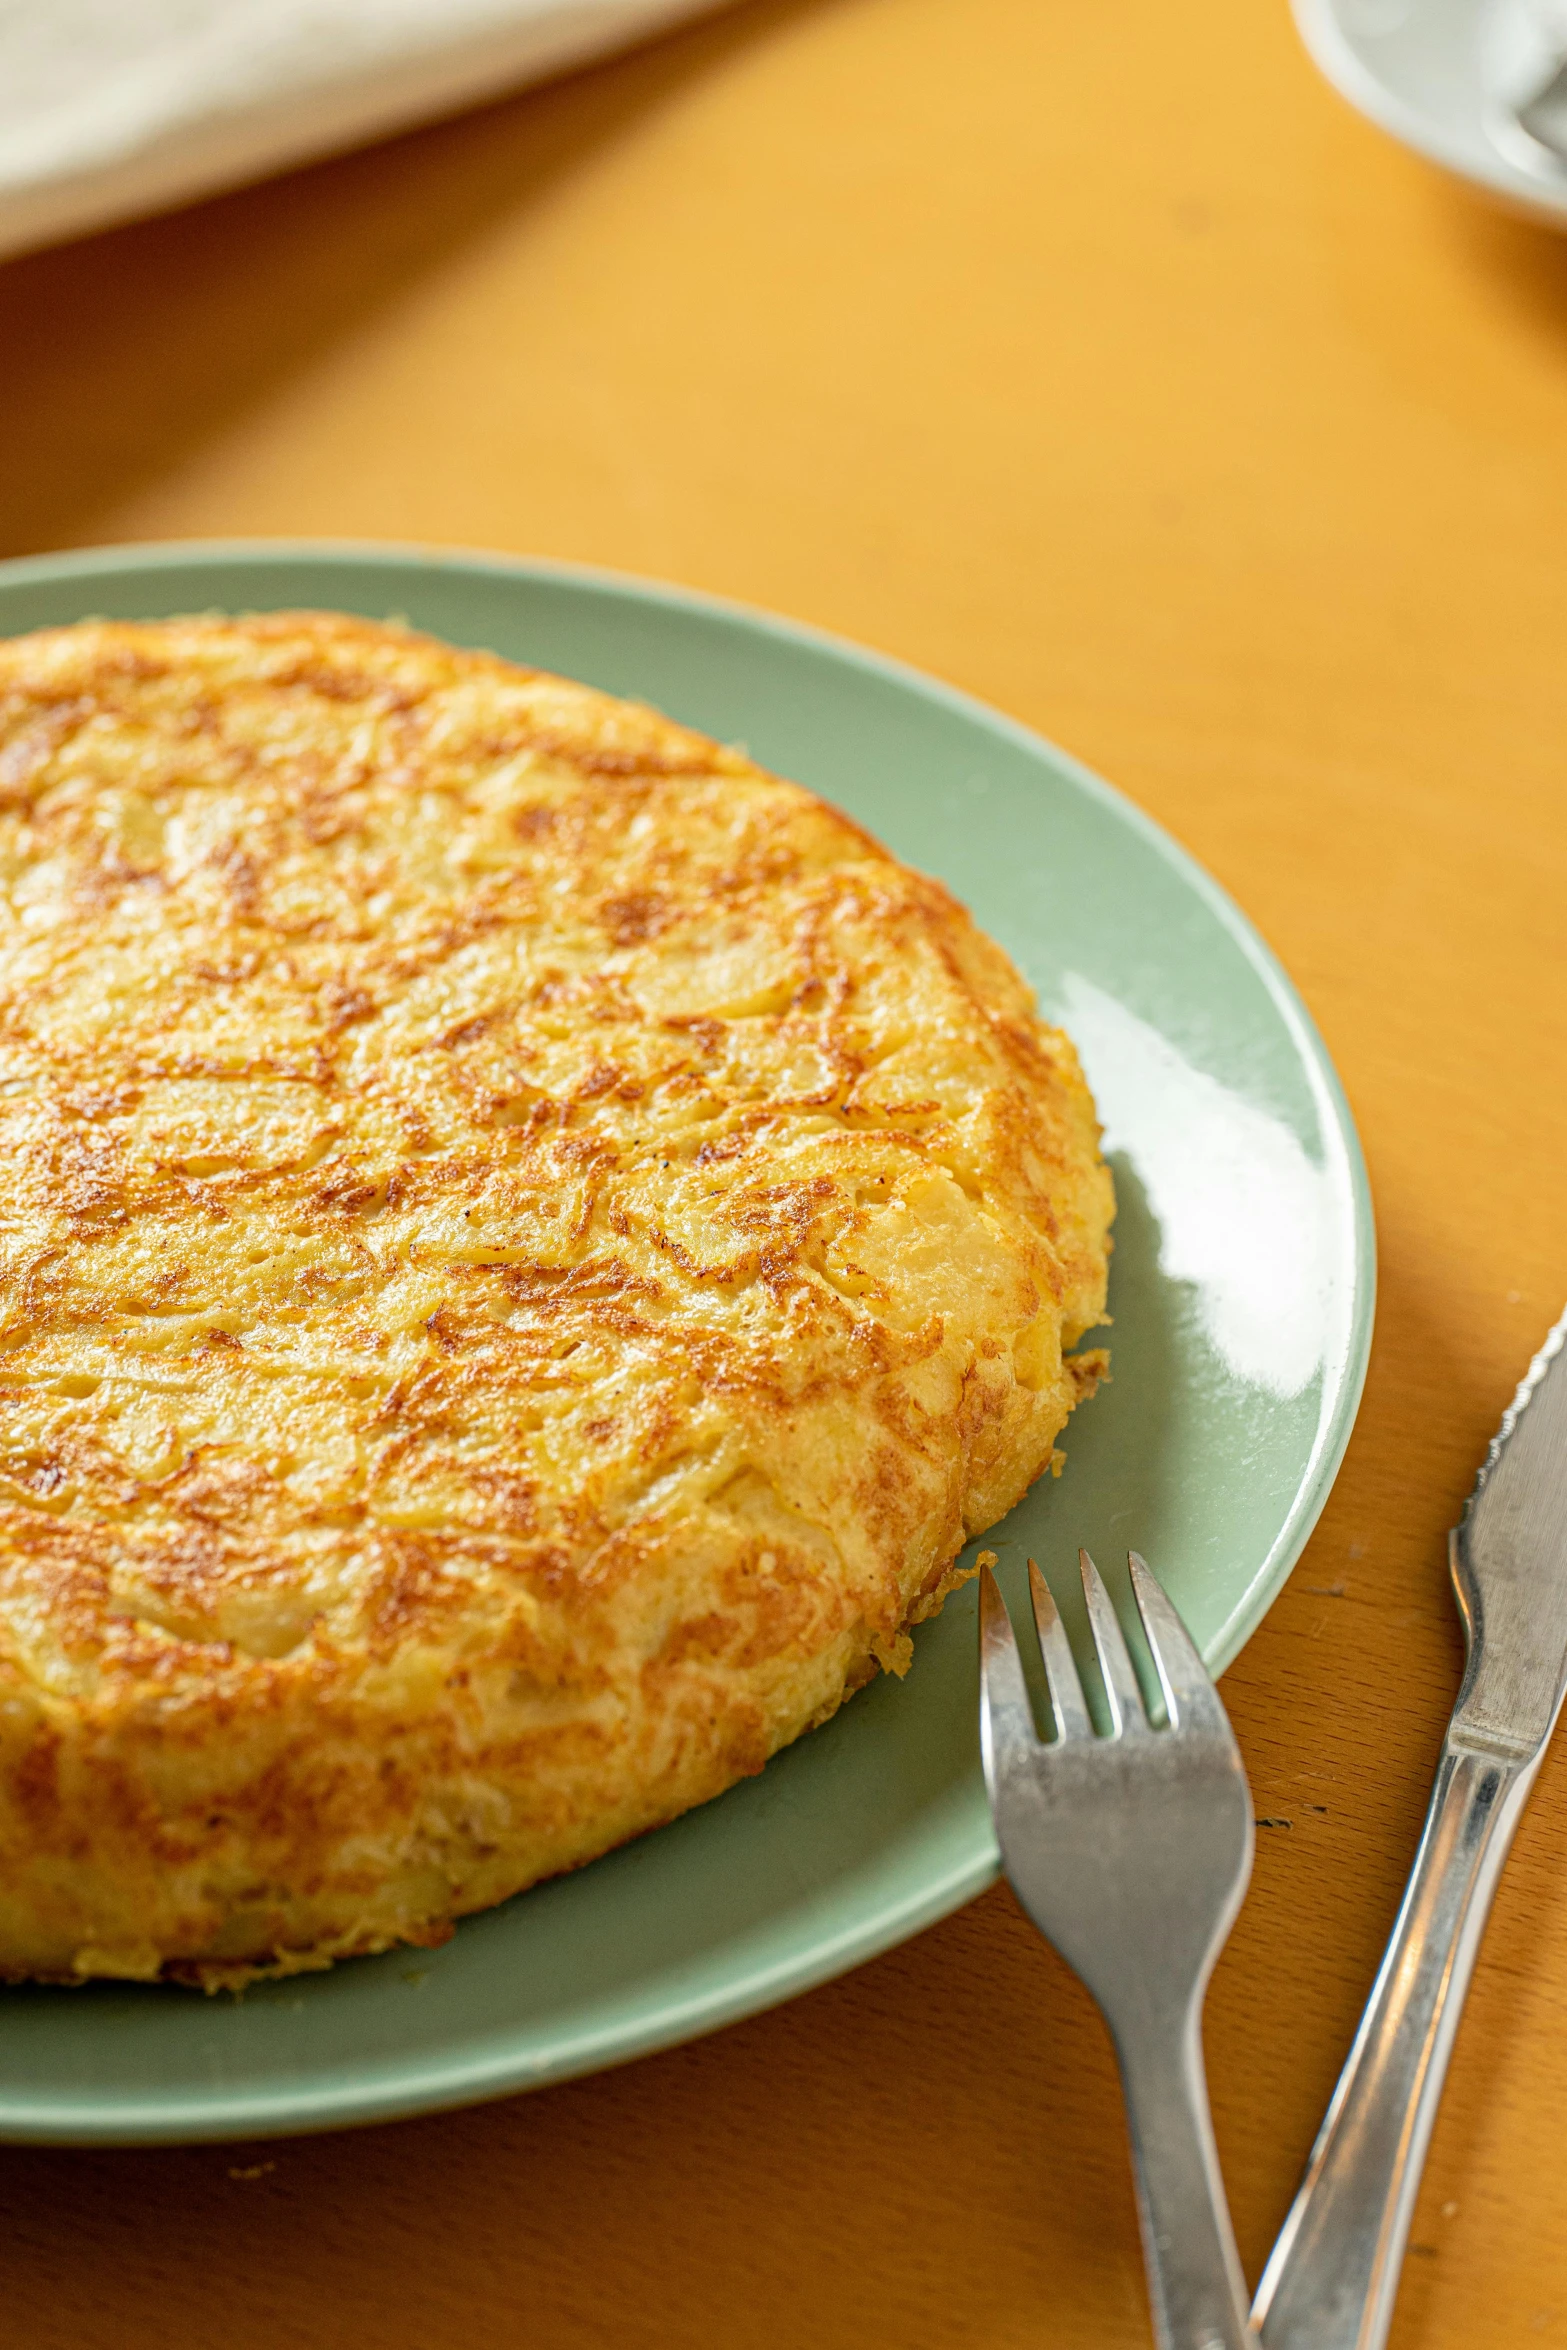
(1333, 2274)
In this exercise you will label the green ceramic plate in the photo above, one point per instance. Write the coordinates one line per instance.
(1242, 1296)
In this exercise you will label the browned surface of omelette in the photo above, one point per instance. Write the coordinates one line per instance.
(528, 1245)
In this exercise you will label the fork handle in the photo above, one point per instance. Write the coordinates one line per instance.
(1195, 2285)
(1333, 2274)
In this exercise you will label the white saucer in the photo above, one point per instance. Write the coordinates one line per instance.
(1436, 74)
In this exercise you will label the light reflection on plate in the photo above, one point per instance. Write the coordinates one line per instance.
(1245, 1216)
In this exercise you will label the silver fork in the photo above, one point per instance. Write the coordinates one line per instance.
(1131, 1853)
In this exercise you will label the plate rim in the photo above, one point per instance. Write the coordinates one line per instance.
(434, 2085)
(1321, 29)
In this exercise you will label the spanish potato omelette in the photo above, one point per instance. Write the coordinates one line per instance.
(529, 1245)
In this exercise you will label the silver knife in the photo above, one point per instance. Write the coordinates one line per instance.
(1330, 2282)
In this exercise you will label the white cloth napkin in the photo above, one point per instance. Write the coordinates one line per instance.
(110, 108)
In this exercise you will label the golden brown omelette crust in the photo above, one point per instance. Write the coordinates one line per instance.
(528, 1245)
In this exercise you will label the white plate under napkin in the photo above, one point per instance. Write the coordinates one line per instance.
(1445, 77)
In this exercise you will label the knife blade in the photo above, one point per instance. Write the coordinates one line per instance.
(1508, 1554)
(1333, 2274)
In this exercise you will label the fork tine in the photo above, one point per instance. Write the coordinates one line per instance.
(1006, 1719)
(1189, 1692)
(1066, 1691)
(1115, 1662)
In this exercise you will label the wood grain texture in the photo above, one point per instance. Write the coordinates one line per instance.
(1099, 360)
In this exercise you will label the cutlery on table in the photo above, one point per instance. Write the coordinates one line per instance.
(1332, 2276)
(1131, 1853)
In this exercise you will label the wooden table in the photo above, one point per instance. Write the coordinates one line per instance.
(1097, 359)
